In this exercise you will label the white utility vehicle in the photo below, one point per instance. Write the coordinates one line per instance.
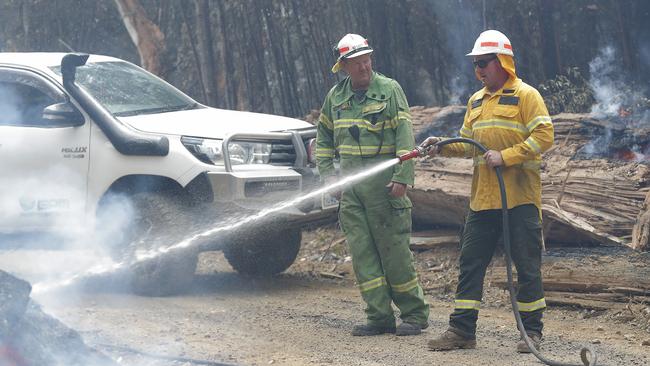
(83, 134)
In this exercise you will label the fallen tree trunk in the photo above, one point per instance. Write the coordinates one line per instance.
(592, 282)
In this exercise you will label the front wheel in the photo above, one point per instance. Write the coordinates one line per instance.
(264, 253)
(156, 222)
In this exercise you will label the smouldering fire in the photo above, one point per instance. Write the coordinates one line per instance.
(630, 155)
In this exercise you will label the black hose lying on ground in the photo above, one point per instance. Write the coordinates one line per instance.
(587, 354)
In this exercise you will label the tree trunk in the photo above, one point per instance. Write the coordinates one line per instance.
(146, 35)
(641, 230)
(205, 52)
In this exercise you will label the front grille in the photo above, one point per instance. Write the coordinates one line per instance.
(261, 188)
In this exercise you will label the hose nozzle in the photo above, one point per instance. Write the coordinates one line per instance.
(419, 151)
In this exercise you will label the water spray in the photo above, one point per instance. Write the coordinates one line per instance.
(587, 353)
(195, 239)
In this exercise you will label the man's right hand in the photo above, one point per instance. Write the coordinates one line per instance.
(334, 193)
(428, 144)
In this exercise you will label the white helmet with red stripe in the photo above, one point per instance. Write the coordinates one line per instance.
(350, 46)
(491, 41)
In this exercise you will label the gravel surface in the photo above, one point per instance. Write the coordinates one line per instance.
(304, 317)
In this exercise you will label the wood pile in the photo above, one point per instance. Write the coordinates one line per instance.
(595, 178)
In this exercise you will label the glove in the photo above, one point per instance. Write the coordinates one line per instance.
(429, 143)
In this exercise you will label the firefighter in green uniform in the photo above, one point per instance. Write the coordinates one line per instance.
(510, 119)
(365, 119)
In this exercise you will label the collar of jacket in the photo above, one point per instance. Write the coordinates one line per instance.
(510, 84)
(378, 89)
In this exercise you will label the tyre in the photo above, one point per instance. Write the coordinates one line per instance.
(264, 252)
(155, 222)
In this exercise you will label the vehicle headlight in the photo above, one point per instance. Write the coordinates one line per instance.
(241, 152)
(206, 150)
(249, 152)
(311, 151)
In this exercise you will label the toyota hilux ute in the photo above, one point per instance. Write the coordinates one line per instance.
(95, 141)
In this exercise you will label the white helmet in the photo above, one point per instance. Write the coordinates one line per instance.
(491, 41)
(350, 46)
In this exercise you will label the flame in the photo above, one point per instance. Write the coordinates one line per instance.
(624, 112)
(629, 155)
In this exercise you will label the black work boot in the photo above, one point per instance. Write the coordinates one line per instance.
(535, 339)
(407, 329)
(451, 340)
(365, 330)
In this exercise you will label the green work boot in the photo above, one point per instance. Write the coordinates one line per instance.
(365, 330)
(407, 329)
(451, 340)
(536, 340)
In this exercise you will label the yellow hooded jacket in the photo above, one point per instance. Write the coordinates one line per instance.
(514, 120)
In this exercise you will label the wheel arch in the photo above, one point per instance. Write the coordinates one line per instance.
(197, 190)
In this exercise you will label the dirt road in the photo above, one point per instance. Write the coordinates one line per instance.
(299, 319)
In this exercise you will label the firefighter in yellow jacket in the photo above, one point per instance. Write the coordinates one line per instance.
(365, 119)
(510, 119)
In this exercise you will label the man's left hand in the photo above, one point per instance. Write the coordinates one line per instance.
(396, 189)
(493, 158)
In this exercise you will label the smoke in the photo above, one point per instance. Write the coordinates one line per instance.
(622, 108)
(61, 244)
(644, 55)
(462, 26)
(607, 84)
(599, 145)
(615, 94)
(46, 231)
(458, 89)
(49, 206)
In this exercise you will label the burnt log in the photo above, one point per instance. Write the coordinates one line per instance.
(14, 296)
(29, 337)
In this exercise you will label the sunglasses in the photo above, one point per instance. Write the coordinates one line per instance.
(483, 62)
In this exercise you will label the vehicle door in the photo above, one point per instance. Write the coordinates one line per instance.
(43, 157)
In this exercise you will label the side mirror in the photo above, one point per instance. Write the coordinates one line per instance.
(63, 114)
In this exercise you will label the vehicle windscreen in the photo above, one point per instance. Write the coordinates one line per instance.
(127, 90)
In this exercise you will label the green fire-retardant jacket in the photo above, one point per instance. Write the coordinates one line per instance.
(383, 121)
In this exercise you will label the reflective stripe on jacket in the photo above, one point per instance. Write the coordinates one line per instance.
(514, 121)
(382, 122)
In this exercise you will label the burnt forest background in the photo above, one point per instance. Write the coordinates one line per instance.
(274, 56)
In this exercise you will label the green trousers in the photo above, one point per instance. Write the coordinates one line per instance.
(483, 229)
(378, 229)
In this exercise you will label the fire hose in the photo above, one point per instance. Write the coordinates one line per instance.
(587, 353)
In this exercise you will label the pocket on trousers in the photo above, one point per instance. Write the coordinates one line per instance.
(400, 202)
(401, 212)
(533, 227)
